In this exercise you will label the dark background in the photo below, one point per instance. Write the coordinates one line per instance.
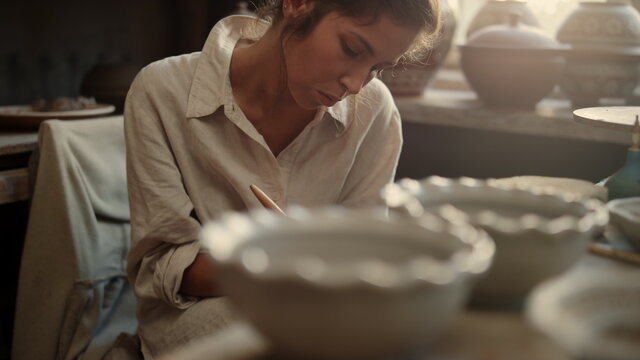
(48, 48)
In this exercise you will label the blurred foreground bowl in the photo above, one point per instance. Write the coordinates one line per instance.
(594, 316)
(346, 284)
(538, 234)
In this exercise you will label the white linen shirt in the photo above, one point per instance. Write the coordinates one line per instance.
(192, 154)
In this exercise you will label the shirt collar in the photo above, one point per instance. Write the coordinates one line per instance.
(207, 95)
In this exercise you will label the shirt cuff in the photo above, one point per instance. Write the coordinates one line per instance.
(168, 274)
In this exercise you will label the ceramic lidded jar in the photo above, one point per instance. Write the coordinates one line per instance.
(511, 66)
(601, 24)
(603, 61)
(413, 78)
(496, 12)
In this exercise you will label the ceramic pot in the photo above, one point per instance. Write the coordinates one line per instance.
(413, 78)
(599, 34)
(601, 24)
(498, 12)
(512, 66)
(590, 77)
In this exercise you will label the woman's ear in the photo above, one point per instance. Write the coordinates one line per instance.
(295, 8)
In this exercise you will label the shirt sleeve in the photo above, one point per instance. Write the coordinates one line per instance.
(377, 157)
(163, 234)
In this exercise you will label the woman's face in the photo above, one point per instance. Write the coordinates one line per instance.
(340, 56)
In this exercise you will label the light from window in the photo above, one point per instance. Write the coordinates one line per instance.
(550, 13)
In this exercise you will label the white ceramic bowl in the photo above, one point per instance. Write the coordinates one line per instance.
(538, 233)
(579, 187)
(595, 317)
(625, 216)
(345, 284)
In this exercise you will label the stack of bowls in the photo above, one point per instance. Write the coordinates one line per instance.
(511, 66)
(346, 284)
(538, 233)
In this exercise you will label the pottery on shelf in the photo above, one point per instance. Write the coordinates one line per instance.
(511, 66)
(605, 42)
(601, 24)
(412, 79)
(496, 12)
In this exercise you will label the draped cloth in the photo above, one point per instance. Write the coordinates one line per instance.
(73, 295)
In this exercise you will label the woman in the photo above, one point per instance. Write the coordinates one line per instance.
(291, 105)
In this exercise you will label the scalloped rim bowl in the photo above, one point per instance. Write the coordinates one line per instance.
(336, 283)
(538, 233)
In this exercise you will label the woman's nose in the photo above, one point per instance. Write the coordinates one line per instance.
(353, 81)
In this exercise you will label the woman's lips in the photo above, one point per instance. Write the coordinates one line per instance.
(327, 100)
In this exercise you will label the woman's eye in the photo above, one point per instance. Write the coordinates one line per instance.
(347, 50)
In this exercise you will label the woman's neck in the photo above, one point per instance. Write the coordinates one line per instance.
(258, 75)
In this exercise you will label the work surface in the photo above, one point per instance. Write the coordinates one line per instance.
(476, 334)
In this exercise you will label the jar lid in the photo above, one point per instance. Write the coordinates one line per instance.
(514, 35)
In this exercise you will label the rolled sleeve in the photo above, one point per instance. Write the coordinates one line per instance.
(169, 269)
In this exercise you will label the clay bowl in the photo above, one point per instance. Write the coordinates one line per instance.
(346, 284)
(538, 233)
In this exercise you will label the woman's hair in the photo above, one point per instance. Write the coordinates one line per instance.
(423, 15)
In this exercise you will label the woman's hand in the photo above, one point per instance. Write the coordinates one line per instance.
(200, 278)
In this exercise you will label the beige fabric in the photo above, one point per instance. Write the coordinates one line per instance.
(192, 155)
(73, 295)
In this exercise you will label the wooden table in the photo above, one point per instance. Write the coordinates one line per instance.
(476, 334)
(15, 149)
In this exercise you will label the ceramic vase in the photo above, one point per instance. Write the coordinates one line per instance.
(602, 35)
(511, 66)
(498, 12)
(413, 78)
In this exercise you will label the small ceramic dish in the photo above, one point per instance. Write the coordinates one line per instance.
(625, 216)
(345, 284)
(592, 318)
(538, 233)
